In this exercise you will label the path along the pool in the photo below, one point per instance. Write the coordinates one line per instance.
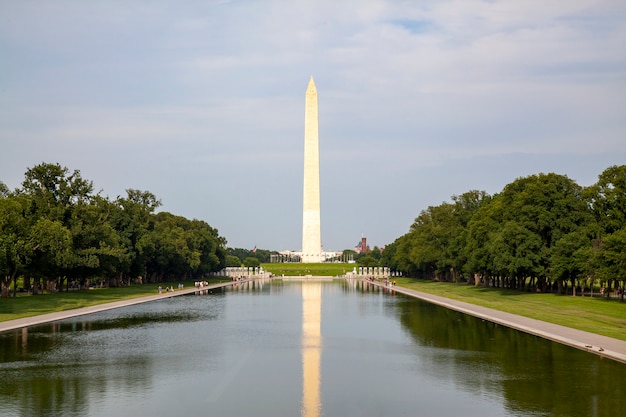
(604, 346)
(61, 315)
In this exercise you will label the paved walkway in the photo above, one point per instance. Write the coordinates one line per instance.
(600, 345)
(61, 315)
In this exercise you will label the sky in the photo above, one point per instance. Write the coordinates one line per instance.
(202, 104)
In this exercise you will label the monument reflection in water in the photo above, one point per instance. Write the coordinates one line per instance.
(311, 348)
(279, 349)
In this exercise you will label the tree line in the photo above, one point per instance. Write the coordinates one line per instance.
(56, 233)
(248, 257)
(541, 233)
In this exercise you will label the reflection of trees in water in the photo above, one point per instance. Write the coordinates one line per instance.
(63, 390)
(65, 386)
(531, 373)
(59, 368)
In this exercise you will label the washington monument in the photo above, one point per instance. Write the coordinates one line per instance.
(311, 236)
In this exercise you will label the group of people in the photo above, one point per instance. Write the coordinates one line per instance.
(170, 289)
(199, 285)
(605, 292)
(387, 282)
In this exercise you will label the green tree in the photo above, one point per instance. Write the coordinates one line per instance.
(251, 262)
(14, 231)
(4, 190)
(513, 236)
(211, 246)
(166, 250)
(570, 258)
(428, 240)
(54, 195)
(54, 228)
(50, 244)
(613, 259)
(387, 257)
(96, 244)
(233, 261)
(608, 199)
(480, 263)
(175, 247)
(367, 261)
(435, 246)
(466, 206)
(131, 218)
(263, 255)
(515, 252)
(375, 253)
(53, 190)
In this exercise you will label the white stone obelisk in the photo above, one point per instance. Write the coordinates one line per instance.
(311, 235)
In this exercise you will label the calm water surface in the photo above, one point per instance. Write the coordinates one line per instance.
(336, 348)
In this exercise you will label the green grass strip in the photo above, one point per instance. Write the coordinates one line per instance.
(34, 305)
(596, 315)
(302, 269)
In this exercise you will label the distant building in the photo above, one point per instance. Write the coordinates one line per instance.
(362, 247)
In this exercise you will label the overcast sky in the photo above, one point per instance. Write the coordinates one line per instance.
(202, 103)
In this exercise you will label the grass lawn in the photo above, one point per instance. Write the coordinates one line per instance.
(595, 315)
(33, 305)
(300, 269)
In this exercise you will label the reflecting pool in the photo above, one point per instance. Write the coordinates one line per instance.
(309, 348)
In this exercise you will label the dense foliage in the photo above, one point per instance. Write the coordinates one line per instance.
(56, 232)
(539, 234)
(263, 255)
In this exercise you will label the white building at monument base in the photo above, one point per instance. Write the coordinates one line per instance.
(292, 256)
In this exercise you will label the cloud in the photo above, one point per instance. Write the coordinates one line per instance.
(202, 103)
